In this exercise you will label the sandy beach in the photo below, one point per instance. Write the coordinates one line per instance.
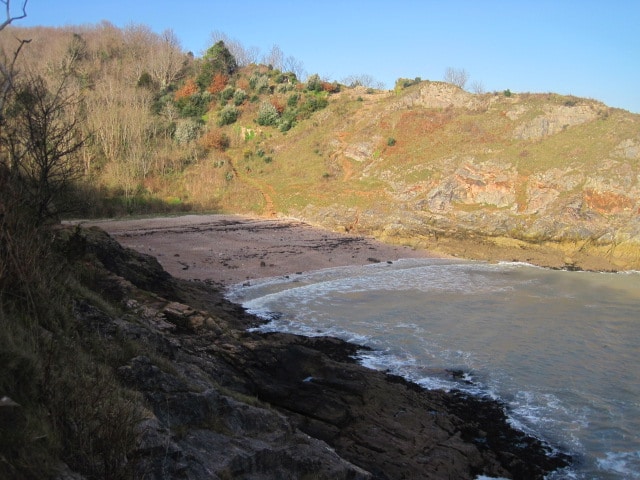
(229, 249)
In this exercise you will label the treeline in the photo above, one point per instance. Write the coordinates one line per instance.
(141, 111)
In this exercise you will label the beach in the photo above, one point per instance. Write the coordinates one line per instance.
(230, 249)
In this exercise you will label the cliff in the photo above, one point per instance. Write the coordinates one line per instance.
(220, 402)
(545, 178)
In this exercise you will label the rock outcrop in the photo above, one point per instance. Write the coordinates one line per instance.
(221, 402)
(544, 171)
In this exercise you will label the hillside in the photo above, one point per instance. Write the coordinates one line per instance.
(543, 178)
(537, 175)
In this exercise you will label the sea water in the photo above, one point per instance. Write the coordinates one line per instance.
(560, 349)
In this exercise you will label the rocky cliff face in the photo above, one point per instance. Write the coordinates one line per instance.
(541, 171)
(220, 402)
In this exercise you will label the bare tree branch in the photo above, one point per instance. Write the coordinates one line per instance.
(10, 18)
(456, 76)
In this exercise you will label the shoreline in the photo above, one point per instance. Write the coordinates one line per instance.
(228, 249)
(391, 427)
(308, 392)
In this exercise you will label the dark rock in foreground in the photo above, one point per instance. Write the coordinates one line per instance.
(224, 403)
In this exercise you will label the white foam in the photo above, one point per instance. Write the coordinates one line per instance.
(622, 463)
(418, 335)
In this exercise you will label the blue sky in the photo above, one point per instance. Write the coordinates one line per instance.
(580, 47)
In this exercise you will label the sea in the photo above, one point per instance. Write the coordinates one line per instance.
(560, 349)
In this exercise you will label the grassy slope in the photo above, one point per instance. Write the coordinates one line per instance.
(313, 163)
(383, 152)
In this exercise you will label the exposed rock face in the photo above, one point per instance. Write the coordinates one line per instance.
(590, 213)
(486, 183)
(439, 95)
(224, 403)
(545, 171)
(555, 119)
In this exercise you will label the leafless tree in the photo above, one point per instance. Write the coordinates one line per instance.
(477, 87)
(456, 76)
(275, 58)
(291, 64)
(167, 59)
(244, 56)
(362, 80)
(10, 17)
(7, 63)
(41, 136)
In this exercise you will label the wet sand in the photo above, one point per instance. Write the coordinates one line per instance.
(230, 249)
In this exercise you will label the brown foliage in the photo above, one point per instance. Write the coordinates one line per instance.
(330, 87)
(215, 139)
(188, 89)
(243, 84)
(278, 104)
(218, 83)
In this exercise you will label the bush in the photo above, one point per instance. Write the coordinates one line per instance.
(314, 84)
(228, 115)
(259, 83)
(391, 141)
(239, 97)
(227, 93)
(186, 131)
(267, 114)
(312, 103)
(218, 83)
(216, 140)
(195, 105)
(406, 82)
(292, 101)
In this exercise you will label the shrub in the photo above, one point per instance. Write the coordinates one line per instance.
(314, 84)
(195, 105)
(406, 82)
(292, 101)
(215, 139)
(218, 83)
(267, 114)
(145, 80)
(312, 104)
(259, 83)
(227, 93)
(330, 87)
(186, 131)
(391, 141)
(188, 89)
(239, 96)
(228, 115)
(507, 93)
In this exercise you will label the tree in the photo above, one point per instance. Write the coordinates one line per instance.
(7, 65)
(291, 64)
(478, 88)
(41, 137)
(275, 58)
(363, 80)
(166, 60)
(121, 124)
(217, 59)
(244, 56)
(456, 76)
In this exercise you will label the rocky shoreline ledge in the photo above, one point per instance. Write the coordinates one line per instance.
(222, 402)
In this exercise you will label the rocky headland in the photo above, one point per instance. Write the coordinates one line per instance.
(221, 402)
